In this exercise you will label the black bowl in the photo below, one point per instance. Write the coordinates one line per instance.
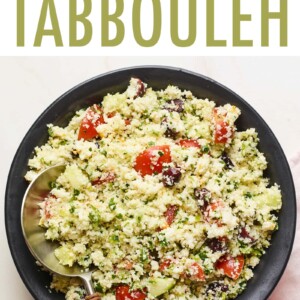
(273, 263)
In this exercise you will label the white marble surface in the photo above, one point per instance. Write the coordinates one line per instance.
(29, 84)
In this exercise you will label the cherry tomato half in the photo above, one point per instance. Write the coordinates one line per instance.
(109, 177)
(123, 293)
(51, 198)
(152, 159)
(93, 117)
(164, 264)
(196, 272)
(189, 143)
(46, 210)
(231, 266)
(213, 207)
(127, 122)
(223, 131)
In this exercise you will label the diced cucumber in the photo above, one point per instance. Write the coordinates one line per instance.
(159, 286)
(270, 199)
(65, 255)
(75, 177)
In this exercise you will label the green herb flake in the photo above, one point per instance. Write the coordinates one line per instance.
(160, 153)
(112, 205)
(144, 255)
(52, 184)
(94, 217)
(205, 149)
(202, 255)
(50, 131)
(162, 240)
(248, 195)
(115, 238)
(76, 192)
(63, 142)
(98, 288)
(119, 216)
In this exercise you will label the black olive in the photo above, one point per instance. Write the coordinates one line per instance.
(74, 154)
(169, 133)
(171, 176)
(216, 287)
(154, 254)
(216, 244)
(228, 163)
(202, 196)
(245, 236)
(140, 91)
(176, 105)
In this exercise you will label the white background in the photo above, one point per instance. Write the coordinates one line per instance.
(28, 85)
(223, 29)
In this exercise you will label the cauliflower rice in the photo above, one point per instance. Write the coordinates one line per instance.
(161, 193)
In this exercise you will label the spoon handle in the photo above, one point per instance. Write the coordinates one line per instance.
(87, 281)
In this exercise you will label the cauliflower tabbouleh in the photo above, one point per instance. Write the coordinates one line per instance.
(161, 193)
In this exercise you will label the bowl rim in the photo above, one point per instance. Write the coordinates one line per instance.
(149, 67)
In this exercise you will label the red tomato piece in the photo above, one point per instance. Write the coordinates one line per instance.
(164, 264)
(46, 210)
(212, 208)
(50, 197)
(196, 272)
(93, 117)
(127, 122)
(123, 293)
(111, 114)
(223, 131)
(152, 159)
(138, 295)
(128, 265)
(109, 177)
(189, 143)
(170, 213)
(231, 266)
(215, 205)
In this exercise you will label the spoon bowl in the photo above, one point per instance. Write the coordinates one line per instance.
(40, 248)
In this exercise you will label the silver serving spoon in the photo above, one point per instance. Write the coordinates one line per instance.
(41, 249)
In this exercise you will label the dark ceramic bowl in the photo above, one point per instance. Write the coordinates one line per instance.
(273, 263)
